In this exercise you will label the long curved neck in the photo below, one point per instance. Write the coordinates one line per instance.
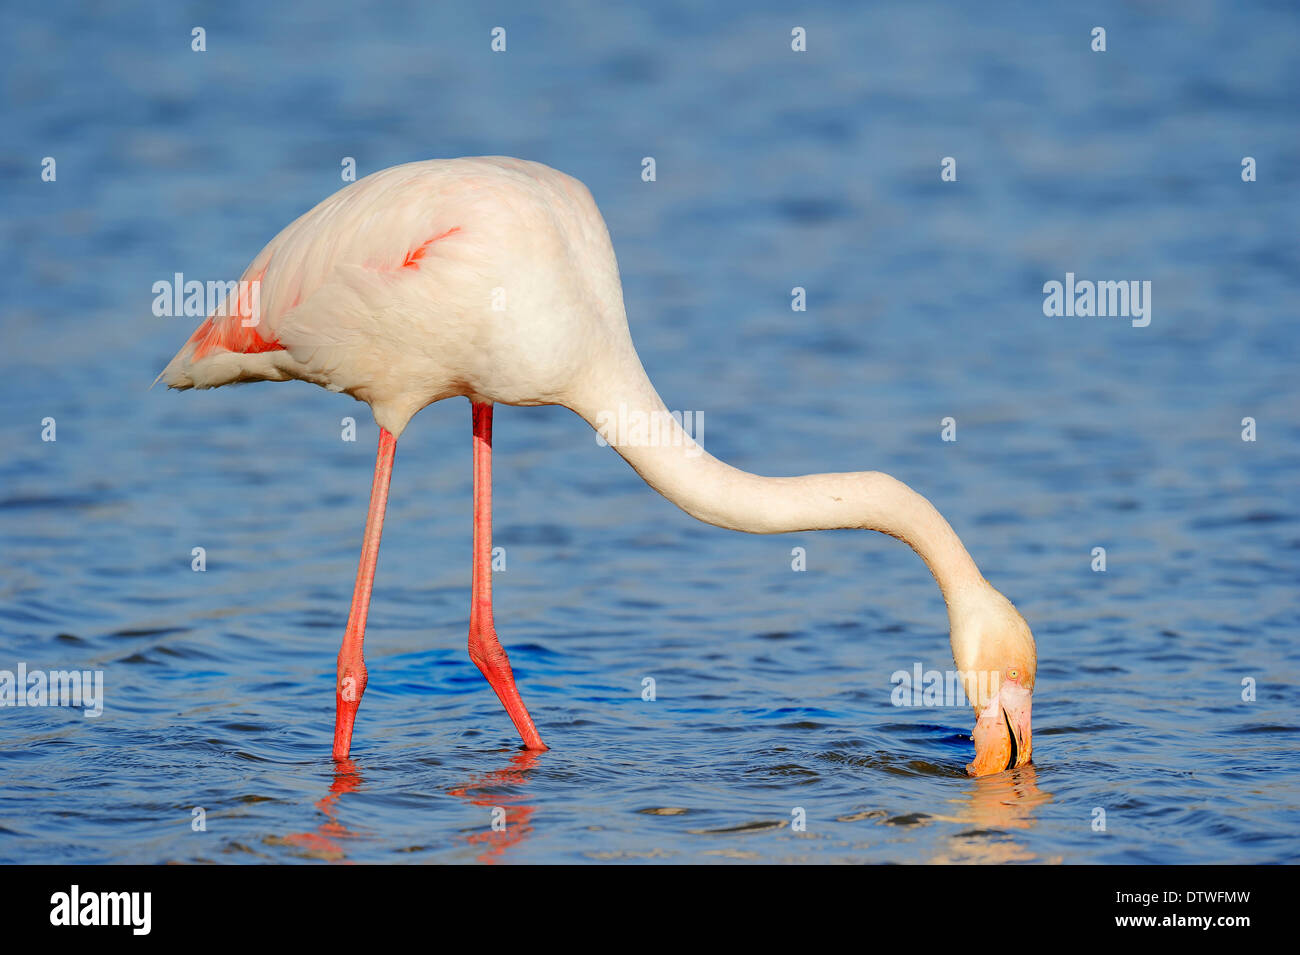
(619, 401)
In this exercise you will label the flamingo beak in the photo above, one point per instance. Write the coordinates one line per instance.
(1002, 733)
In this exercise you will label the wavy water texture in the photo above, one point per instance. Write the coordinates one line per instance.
(772, 686)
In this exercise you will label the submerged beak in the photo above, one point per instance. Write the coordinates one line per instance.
(1002, 733)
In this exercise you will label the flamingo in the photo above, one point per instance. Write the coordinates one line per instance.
(495, 279)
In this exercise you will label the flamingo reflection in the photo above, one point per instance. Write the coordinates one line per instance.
(492, 790)
(992, 808)
(326, 842)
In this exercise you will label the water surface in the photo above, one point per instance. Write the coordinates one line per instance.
(774, 170)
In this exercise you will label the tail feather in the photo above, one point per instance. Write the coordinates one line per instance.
(227, 347)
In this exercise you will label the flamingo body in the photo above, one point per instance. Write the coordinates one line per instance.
(480, 277)
(494, 279)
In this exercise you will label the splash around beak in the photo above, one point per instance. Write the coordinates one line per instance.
(1002, 733)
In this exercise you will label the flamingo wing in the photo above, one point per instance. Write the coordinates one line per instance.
(321, 282)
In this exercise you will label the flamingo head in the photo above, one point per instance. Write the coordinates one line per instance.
(994, 650)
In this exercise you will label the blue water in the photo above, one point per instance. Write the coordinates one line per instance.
(774, 170)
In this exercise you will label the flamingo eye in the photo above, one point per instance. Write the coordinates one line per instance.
(1013, 674)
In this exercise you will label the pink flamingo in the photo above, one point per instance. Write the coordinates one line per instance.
(494, 279)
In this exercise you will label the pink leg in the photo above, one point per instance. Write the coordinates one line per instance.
(352, 666)
(484, 648)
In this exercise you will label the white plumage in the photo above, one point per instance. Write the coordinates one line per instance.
(512, 301)
(495, 279)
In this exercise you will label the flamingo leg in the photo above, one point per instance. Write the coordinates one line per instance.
(352, 665)
(484, 647)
